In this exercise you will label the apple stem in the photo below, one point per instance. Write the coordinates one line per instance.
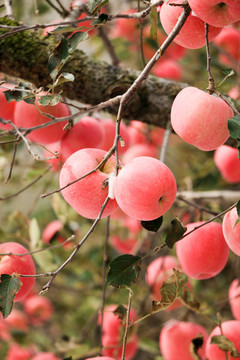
(211, 83)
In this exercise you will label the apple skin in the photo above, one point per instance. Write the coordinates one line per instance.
(86, 133)
(200, 119)
(192, 34)
(50, 230)
(27, 115)
(229, 40)
(227, 162)
(231, 329)
(6, 109)
(39, 309)
(113, 347)
(168, 69)
(231, 232)
(123, 246)
(56, 163)
(234, 298)
(45, 356)
(4, 330)
(140, 150)
(17, 320)
(203, 253)
(16, 352)
(100, 358)
(126, 28)
(109, 127)
(175, 339)
(87, 195)
(234, 93)
(145, 188)
(213, 14)
(17, 264)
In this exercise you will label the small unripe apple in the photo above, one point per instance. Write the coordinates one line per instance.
(200, 119)
(24, 265)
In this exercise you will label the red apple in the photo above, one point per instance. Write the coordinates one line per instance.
(39, 309)
(192, 34)
(231, 230)
(16, 352)
(6, 109)
(4, 330)
(113, 347)
(101, 358)
(139, 132)
(231, 329)
(87, 195)
(109, 127)
(17, 264)
(140, 150)
(227, 162)
(126, 28)
(87, 133)
(45, 356)
(216, 12)
(56, 162)
(51, 230)
(234, 93)
(17, 320)
(175, 339)
(234, 298)
(145, 188)
(200, 119)
(203, 253)
(229, 41)
(28, 115)
(123, 246)
(168, 69)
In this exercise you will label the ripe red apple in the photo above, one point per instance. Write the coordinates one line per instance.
(113, 347)
(234, 298)
(56, 162)
(109, 127)
(139, 132)
(229, 41)
(216, 12)
(227, 162)
(200, 119)
(16, 352)
(51, 230)
(17, 320)
(86, 133)
(6, 109)
(87, 195)
(168, 69)
(123, 246)
(45, 356)
(145, 188)
(17, 264)
(231, 329)
(140, 150)
(192, 34)
(234, 92)
(27, 116)
(203, 253)
(39, 309)
(126, 28)
(101, 358)
(4, 330)
(175, 339)
(231, 231)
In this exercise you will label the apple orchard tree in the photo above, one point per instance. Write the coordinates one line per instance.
(120, 172)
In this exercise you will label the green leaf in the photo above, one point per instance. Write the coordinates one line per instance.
(95, 5)
(176, 232)
(154, 20)
(15, 95)
(49, 100)
(124, 271)
(153, 225)
(189, 300)
(9, 286)
(228, 72)
(63, 29)
(171, 289)
(225, 344)
(195, 346)
(121, 312)
(75, 39)
(58, 58)
(64, 77)
(234, 127)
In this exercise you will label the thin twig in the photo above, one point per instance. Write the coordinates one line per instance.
(127, 324)
(54, 7)
(12, 162)
(108, 46)
(201, 208)
(166, 137)
(211, 83)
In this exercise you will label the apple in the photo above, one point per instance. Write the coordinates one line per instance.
(168, 69)
(45, 356)
(56, 162)
(203, 253)
(24, 265)
(101, 358)
(227, 162)
(200, 119)
(17, 320)
(51, 230)
(234, 298)
(28, 115)
(145, 188)
(234, 93)
(229, 41)
(140, 150)
(4, 330)
(87, 195)
(231, 329)
(113, 347)
(192, 34)
(139, 132)
(231, 230)
(109, 127)
(123, 246)
(175, 339)
(16, 352)
(86, 133)
(6, 109)
(216, 12)
(126, 28)
(39, 309)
